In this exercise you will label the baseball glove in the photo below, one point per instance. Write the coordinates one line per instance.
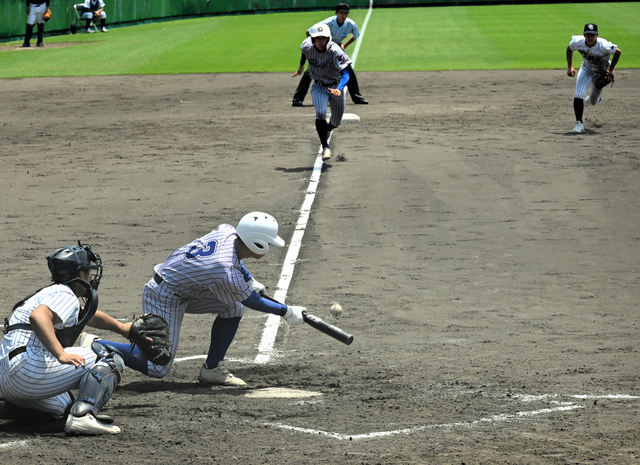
(152, 335)
(604, 80)
(47, 15)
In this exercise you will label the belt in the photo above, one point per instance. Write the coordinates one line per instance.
(333, 84)
(157, 278)
(17, 351)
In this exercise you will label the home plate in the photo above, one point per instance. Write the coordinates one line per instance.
(282, 393)
(350, 118)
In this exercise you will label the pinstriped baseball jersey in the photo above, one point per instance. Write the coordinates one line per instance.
(34, 379)
(321, 98)
(203, 276)
(59, 298)
(325, 66)
(594, 58)
(207, 266)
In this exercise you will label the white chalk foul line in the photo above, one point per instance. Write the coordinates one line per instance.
(265, 349)
(462, 424)
(9, 445)
(364, 28)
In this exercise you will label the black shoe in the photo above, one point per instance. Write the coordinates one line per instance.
(40, 44)
(360, 101)
(25, 45)
(297, 103)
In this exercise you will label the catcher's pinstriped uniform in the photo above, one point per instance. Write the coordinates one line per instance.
(30, 376)
(34, 379)
(595, 62)
(39, 366)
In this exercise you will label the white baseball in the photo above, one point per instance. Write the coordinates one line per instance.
(336, 309)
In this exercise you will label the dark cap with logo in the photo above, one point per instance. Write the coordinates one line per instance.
(590, 28)
(342, 7)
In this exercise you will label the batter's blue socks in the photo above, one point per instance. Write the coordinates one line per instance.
(132, 359)
(223, 331)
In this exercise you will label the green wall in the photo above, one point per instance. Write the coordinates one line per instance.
(13, 17)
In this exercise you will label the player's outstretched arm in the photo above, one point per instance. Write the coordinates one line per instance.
(614, 60)
(570, 69)
(103, 321)
(348, 42)
(298, 72)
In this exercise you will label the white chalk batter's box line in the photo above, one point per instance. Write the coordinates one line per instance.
(491, 420)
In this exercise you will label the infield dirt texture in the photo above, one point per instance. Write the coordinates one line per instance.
(485, 256)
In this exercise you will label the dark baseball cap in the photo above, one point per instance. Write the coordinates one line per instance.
(342, 7)
(590, 28)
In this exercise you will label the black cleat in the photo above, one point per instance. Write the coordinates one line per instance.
(297, 103)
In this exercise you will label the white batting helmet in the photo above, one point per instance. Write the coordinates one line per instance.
(320, 30)
(257, 230)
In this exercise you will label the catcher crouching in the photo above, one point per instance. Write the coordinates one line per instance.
(39, 364)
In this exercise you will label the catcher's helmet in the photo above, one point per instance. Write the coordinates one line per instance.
(319, 30)
(66, 262)
(257, 230)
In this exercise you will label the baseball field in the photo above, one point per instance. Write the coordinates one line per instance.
(485, 256)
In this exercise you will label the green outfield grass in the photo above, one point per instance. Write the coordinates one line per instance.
(404, 39)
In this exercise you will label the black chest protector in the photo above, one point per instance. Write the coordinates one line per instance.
(66, 336)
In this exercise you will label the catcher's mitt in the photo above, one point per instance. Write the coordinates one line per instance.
(47, 15)
(604, 80)
(152, 335)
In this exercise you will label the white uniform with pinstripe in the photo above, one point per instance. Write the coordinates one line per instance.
(325, 68)
(595, 62)
(202, 277)
(34, 379)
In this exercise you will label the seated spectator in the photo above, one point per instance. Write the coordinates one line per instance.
(94, 9)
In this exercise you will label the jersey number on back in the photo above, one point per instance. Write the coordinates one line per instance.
(199, 251)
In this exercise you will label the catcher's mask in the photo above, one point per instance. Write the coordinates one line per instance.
(66, 262)
(257, 230)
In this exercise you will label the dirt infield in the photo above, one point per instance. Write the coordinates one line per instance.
(486, 258)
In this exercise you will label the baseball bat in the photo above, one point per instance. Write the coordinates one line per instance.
(319, 324)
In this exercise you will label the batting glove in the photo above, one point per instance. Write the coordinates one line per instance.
(255, 285)
(294, 315)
